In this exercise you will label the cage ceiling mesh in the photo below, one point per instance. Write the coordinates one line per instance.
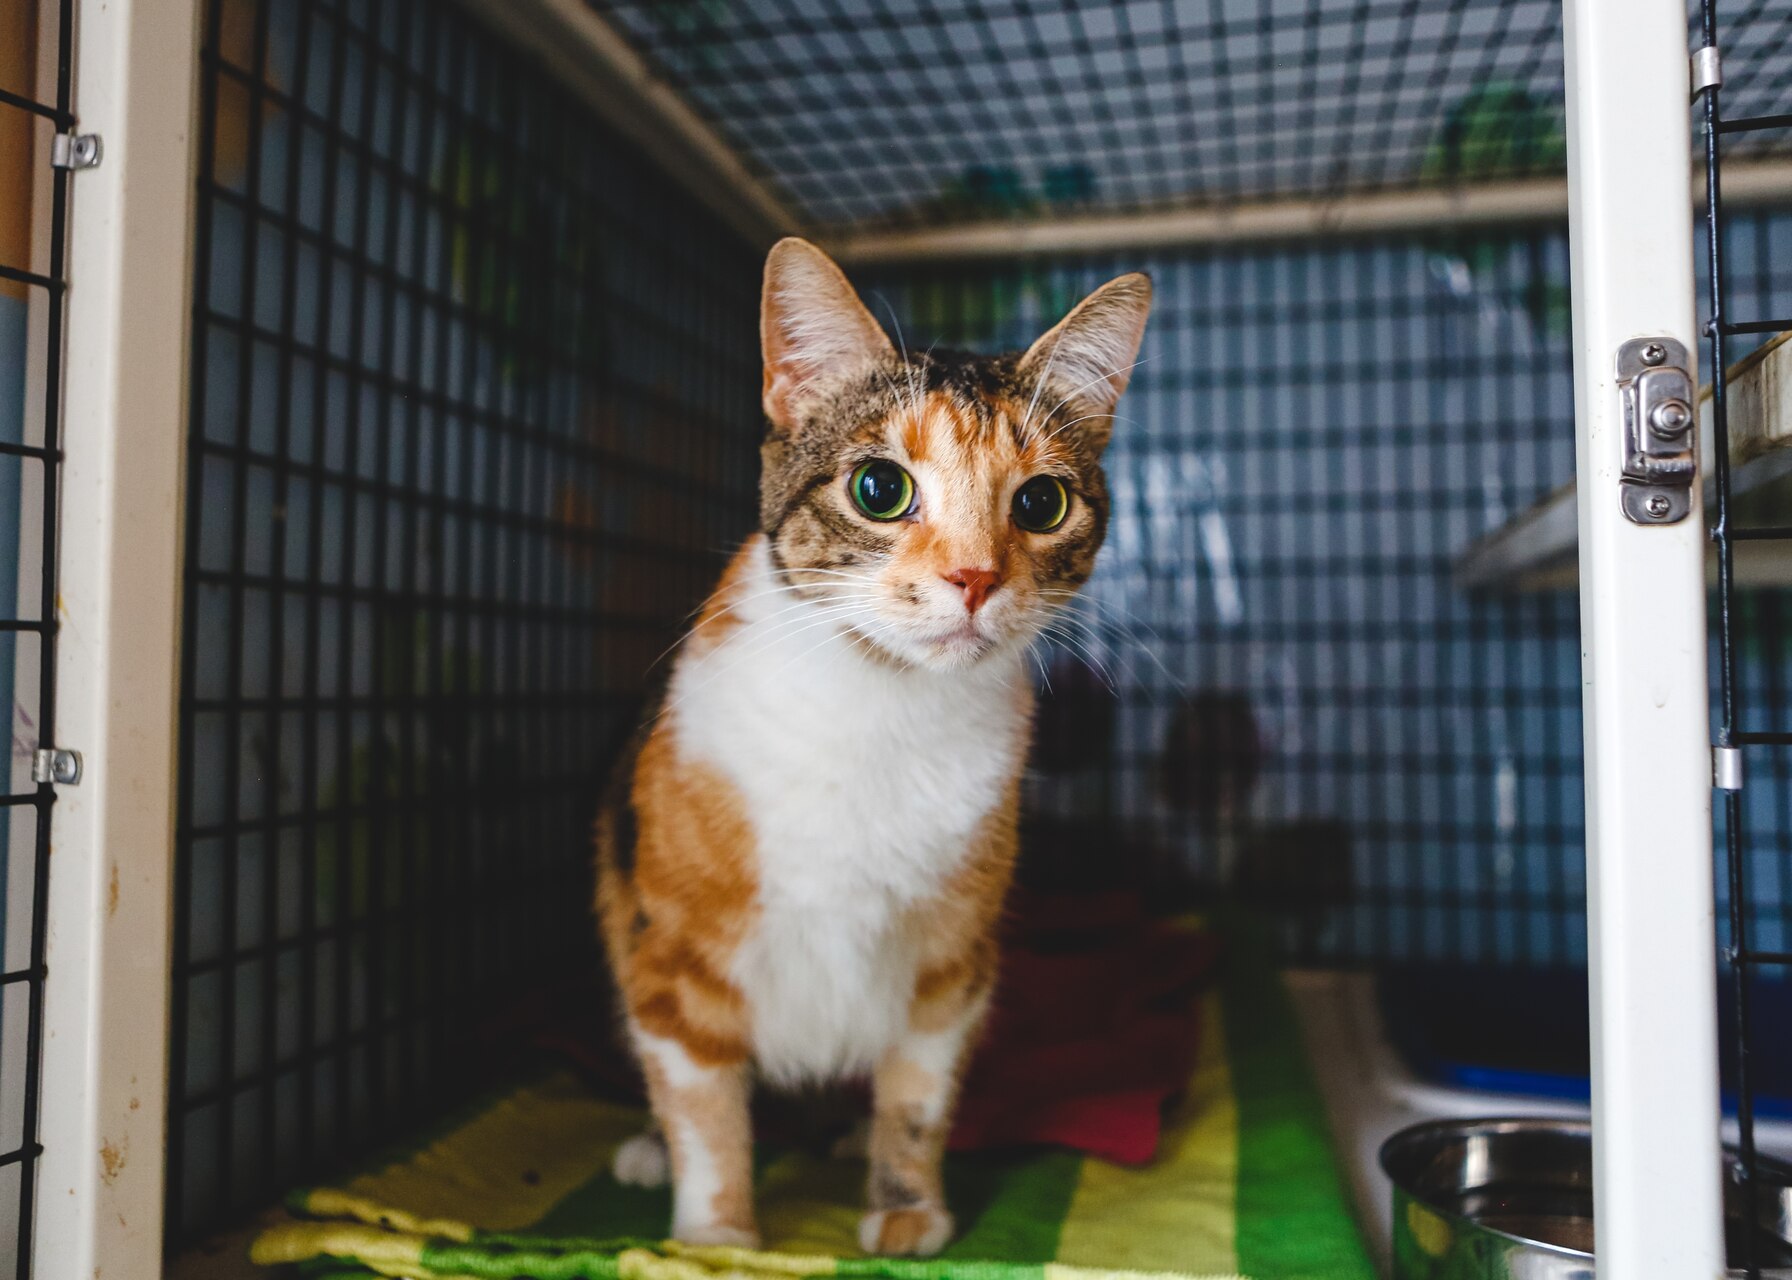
(918, 112)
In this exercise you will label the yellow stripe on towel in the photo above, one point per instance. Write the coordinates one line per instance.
(384, 1252)
(1178, 1213)
(504, 1169)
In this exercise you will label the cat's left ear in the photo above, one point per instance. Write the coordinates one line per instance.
(1087, 358)
(815, 334)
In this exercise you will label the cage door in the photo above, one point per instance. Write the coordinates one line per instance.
(1642, 548)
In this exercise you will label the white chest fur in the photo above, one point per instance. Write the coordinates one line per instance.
(863, 784)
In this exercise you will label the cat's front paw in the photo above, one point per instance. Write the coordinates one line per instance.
(642, 1161)
(920, 1231)
(714, 1233)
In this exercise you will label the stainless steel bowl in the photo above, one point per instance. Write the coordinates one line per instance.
(1513, 1200)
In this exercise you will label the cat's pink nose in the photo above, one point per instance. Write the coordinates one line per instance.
(976, 585)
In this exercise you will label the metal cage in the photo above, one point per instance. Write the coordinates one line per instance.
(436, 327)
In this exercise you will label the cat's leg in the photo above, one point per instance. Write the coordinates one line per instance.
(701, 1104)
(675, 895)
(913, 1092)
(915, 1086)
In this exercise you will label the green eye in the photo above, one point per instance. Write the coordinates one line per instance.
(882, 490)
(1041, 504)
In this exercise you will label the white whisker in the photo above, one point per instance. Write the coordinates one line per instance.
(1026, 420)
(821, 615)
(1099, 615)
(1112, 373)
(915, 406)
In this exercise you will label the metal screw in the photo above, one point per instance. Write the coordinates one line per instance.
(1670, 419)
(57, 765)
(1657, 505)
(1654, 353)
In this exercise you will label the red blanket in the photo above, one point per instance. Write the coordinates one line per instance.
(1095, 1023)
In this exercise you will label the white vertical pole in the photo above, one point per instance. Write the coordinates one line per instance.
(106, 994)
(1652, 945)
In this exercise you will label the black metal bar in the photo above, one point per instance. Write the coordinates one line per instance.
(248, 289)
(1760, 738)
(1754, 124)
(263, 1179)
(1760, 957)
(306, 1156)
(48, 283)
(174, 1197)
(46, 673)
(390, 659)
(1718, 329)
(28, 1153)
(357, 846)
(56, 115)
(1756, 326)
(455, 633)
(404, 941)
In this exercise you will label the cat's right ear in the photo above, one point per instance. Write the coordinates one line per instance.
(814, 332)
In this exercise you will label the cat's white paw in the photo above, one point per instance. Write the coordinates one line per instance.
(920, 1232)
(716, 1233)
(642, 1161)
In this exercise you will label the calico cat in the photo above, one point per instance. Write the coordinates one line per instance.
(802, 858)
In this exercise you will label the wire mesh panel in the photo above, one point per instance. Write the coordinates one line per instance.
(474, 417)
(1746, 302)
(1303, 708)
(1752, 625)
(923, 111)
(35, 99)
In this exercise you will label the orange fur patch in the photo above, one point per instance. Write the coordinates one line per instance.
(671, 920)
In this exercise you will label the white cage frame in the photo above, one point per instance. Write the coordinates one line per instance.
(1650, 914)
(111, 891)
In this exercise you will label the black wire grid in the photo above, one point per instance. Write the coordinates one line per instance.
(29, 465)
(1295, 704)
(1751, 886)
(911, 112)
(474, 423)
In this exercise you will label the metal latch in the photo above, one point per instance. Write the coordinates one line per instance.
(56, 765)
(1661, 458)
(75, 150)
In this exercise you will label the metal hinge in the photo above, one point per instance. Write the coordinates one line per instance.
(1707, 70)
(1726, 768)
(53, 764)
(1660, 458)
(75, 151)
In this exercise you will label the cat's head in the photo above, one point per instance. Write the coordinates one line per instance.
(946, 505)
